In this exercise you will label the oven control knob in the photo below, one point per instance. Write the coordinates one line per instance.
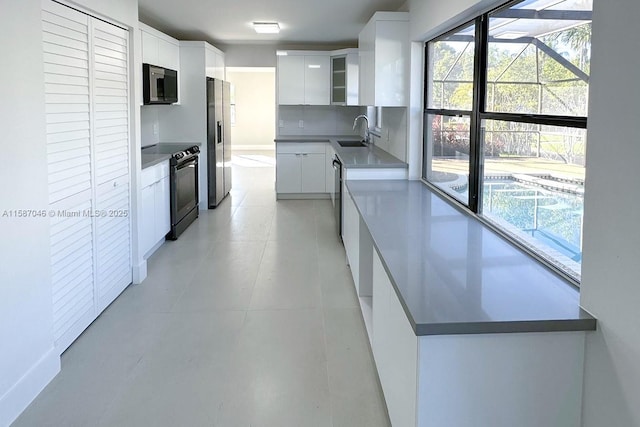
(178, 156)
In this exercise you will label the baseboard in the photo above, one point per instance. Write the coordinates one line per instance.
(28, 387)
(140, 272)
(269, 147)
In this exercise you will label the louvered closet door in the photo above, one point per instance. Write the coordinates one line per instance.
(67, 97)
(111, 147)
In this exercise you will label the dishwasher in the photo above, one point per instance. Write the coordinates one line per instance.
(337, 193)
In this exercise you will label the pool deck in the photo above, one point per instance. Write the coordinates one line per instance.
(512, 165)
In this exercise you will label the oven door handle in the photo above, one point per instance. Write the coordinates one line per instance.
(187, 164)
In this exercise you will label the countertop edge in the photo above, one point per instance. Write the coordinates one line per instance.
(586, 323)
(161, 158)
(388, 161)
(507, 327)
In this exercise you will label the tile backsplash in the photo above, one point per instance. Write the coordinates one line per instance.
(150, 124)
(317, 120)
(393, 137)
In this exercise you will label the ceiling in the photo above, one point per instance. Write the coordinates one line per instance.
(323, 22)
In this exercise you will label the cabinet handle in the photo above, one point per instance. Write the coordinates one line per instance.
(304, 154)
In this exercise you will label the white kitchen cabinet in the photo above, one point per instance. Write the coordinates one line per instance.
(313, 173)
(155, 219)
(150, 48)
(436, 380)
(162, 208)
(288, 173)
(351, 235)
(395, 349)
(304, 78)
(383, 47)
(300, 169)
(147, 218)
(220, 72)
(290, 79)
(169, 54)
(88, 116)
(344, 77)
(317, 79)
(159, 49)
(329, 173)
(214, 62)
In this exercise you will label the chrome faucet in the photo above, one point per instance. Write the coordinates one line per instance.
(367, 136)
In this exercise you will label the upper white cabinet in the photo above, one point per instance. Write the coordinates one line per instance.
(344, 77)
(304, 78)
(159, 49)
(214, 62)
(290, 79)
(383, 47)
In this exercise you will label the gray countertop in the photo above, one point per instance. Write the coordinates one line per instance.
(454, 275)
(154, 154)
(149, 160)
(352, 157)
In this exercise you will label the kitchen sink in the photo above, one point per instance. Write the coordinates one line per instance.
(352, 144)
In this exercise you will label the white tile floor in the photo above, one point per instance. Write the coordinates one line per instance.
(249, 319)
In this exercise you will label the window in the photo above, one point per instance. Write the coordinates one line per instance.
(505, 122)
(449, 103)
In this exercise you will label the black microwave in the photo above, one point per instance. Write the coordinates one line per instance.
(160, 85)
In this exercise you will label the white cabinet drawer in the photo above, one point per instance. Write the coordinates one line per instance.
(301, 147)
(154, 173)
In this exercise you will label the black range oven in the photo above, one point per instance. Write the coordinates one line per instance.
(183, 175)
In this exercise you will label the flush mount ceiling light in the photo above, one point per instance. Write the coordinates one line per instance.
(266, 27)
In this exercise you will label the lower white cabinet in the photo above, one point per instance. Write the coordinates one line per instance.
(470, 380)
(351, 235)
(155, 221)
(395, 349)
(329, 174)
(300, 168)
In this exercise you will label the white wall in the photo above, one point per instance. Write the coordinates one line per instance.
(187, 122)
(249, 55)
(611, 249)
(28, 360)
(255, 104)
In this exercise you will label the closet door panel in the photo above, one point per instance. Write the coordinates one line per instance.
(111, 159)
(66, 54)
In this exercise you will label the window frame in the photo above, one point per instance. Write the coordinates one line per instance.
(478, 114)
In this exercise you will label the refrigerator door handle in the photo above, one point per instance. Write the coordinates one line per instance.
(219, 132)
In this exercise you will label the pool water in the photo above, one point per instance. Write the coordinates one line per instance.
(552, 218)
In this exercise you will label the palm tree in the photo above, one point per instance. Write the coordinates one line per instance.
(579, 39)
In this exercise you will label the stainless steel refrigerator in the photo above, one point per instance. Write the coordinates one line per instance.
(218, 140)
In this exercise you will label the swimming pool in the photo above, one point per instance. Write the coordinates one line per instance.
(551, 218)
